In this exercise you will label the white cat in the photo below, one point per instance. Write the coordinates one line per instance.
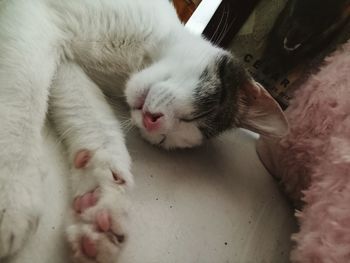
(55, 54)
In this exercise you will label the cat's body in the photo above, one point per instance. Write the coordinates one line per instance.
(180, 89)
(96, 35)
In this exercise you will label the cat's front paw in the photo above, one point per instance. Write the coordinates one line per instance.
(19, 210)
(98, 230)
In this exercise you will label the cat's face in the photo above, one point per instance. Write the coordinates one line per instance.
(178, 104)
(310, 21)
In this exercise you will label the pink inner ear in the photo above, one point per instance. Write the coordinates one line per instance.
(262, 114)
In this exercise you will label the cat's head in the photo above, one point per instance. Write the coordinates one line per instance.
(308, 22)
(177, 103)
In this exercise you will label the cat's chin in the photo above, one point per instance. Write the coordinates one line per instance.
(169, 141)
(157, 140)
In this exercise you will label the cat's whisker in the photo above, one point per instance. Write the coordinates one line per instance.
(124, 119)
(124, 122)
(227, 27)
(129, 129)
(130, 123)
(222, 26)
(226, 14)
(127, 125)
(217, 28)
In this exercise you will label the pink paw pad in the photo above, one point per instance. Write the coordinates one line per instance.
(88, 247)
(103, 224)
(81, 203)
(82, 159)
(103, 221)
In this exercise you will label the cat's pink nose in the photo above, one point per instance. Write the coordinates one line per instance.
(152, 121)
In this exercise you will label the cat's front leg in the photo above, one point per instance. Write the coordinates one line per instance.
(100, 163)
(28, 58)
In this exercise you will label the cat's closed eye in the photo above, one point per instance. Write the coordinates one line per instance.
(198, 116)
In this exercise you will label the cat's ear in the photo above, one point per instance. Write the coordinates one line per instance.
(259, 112)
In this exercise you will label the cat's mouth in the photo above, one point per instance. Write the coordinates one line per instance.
(162, 140)
(289, 48)
(296, 39)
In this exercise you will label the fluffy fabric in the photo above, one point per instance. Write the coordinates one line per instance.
(313, 162)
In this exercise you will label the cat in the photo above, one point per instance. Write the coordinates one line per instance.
(55, 57)
(302, 29)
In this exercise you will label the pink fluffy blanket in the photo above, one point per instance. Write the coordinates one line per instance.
(313, 162)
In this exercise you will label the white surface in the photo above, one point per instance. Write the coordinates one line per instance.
(186, 205)
(201, 17)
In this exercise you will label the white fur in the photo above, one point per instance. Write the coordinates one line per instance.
(169, 85)
(110, 39)
(93, 126)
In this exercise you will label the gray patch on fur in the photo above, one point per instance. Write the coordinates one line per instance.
(216, 99)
